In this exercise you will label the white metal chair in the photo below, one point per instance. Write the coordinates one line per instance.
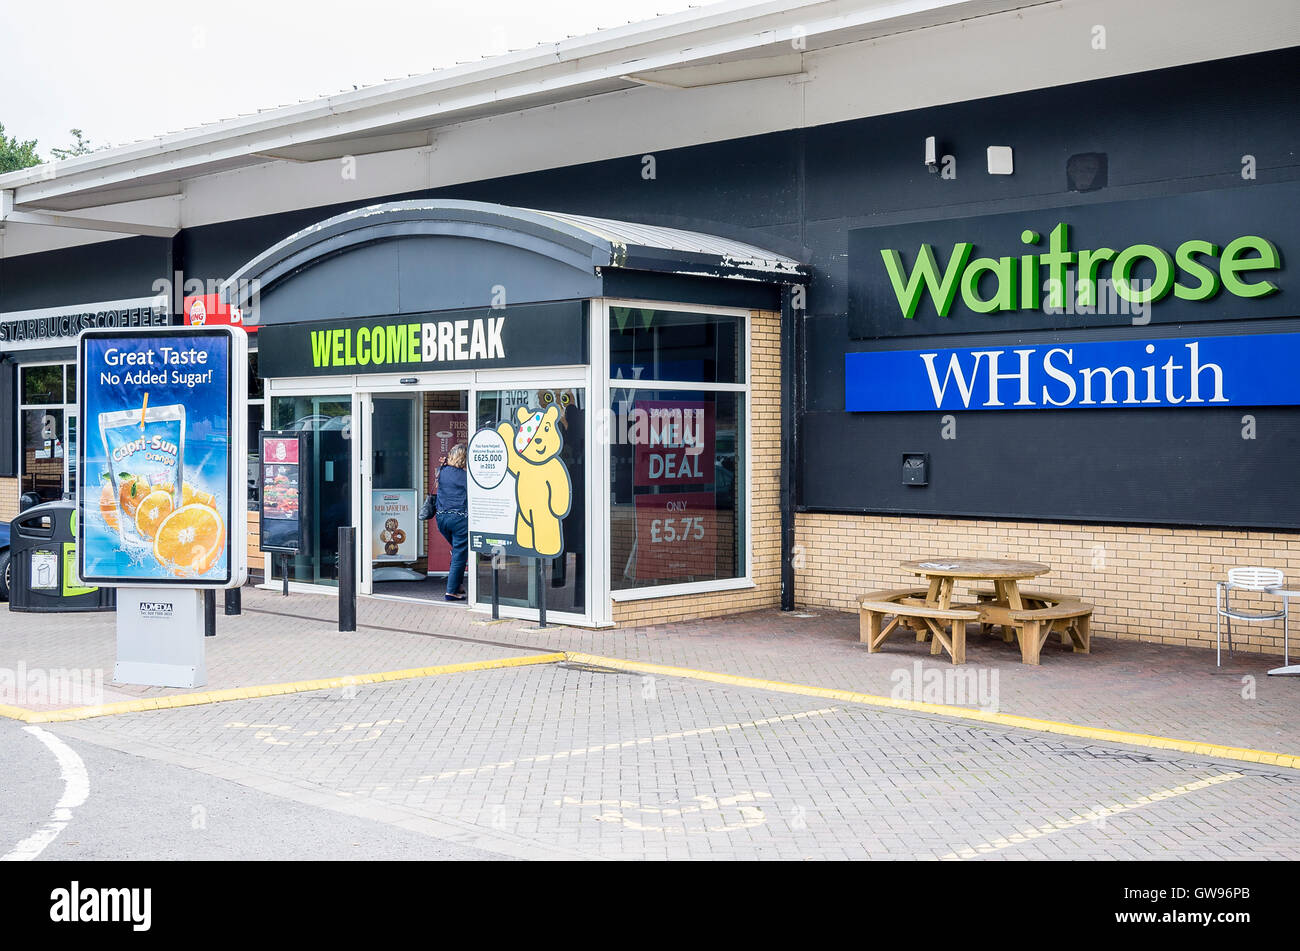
(1267, 580)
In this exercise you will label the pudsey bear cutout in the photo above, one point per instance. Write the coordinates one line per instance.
(543, 492)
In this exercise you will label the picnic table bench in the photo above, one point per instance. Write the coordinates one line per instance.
(1029, 616)
(905, 605)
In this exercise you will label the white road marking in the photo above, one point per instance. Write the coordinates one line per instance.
(625, 744)
(1093, 815)
(750, 816)
(76, 789)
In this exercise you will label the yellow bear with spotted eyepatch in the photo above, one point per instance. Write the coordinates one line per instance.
(542, 488)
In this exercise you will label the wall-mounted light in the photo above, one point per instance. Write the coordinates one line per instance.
(931, 154)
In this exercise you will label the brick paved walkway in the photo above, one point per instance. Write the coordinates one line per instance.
(1122, 685)
(555, 761)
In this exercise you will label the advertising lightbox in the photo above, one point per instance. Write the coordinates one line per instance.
(160, 487)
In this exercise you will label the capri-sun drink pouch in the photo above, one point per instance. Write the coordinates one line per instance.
(145, 449)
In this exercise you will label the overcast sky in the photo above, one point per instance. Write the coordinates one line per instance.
(121, 70)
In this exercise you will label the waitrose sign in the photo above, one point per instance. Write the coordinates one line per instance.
(1204, 256)
(1196, 270)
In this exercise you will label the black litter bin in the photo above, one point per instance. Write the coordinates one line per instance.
(43, 550)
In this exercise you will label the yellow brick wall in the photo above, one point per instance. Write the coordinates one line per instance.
(8, 498)
(764, 423)
(1147, 584)
(252, 541)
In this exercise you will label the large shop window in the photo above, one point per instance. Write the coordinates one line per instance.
(48, 429)
(679, 468)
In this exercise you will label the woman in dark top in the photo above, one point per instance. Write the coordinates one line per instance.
(452, 511)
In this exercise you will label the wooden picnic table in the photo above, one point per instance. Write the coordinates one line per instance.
(943, 574)
(1030, 617)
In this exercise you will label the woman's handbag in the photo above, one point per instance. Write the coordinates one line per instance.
(427, 510)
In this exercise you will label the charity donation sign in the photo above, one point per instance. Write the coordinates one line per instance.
(519, 487)
(160, 492)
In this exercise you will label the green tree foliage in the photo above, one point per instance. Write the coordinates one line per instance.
(80, 146)
(14, 154)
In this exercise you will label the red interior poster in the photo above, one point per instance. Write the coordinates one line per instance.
(446, 428)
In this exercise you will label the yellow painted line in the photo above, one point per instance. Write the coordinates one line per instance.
(1015, 721)
(267, 690)
(1214, 750)
(1093, 815)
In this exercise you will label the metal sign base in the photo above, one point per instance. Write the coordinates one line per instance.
(160, 637)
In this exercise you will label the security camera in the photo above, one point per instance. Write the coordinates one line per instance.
(931, 158)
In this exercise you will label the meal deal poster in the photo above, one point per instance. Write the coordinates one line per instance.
(676, 535)
(393, 521)
(674, 443)
(160, 411)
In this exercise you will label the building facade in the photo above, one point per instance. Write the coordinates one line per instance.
(1057, 339)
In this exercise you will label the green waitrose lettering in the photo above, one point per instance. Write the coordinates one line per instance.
(1188, 273)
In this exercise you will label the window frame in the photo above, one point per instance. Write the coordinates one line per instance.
(64, 406)
(744, 318)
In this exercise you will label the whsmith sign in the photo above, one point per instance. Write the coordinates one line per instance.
(1239, 370)
(524, 335)
(1201, 256)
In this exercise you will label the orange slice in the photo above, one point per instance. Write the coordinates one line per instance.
(191, 494)
(108, 506)
(190, 540)
(131, 492)
(157, 505)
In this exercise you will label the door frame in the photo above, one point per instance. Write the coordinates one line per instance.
(363, 389)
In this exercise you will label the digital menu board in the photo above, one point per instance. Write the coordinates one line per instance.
(283, 489)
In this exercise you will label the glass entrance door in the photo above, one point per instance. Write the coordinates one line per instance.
(329, 419)
(391, 495)
(565, 576)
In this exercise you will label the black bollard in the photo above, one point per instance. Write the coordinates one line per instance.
(496, 590)
(234, 602)
(541, 594)
(209, 613)
(347, 579)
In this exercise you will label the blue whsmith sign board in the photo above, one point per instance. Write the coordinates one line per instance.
(1248, 370)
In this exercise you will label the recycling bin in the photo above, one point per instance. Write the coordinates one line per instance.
(43, 550)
